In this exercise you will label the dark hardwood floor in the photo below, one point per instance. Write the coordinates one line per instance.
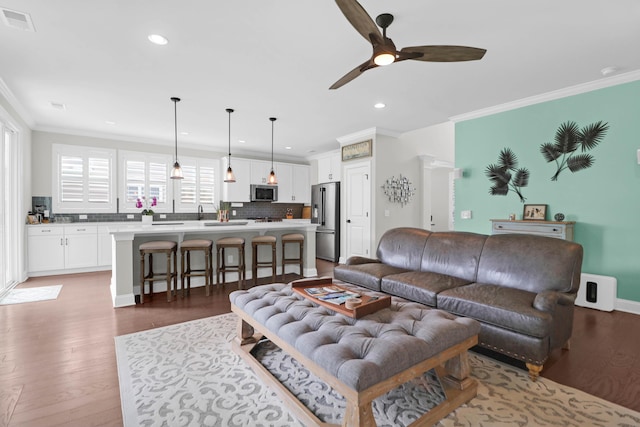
(58, 366)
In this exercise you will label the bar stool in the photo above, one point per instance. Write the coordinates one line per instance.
(293, 238)
(164, 247)
(222, 267)
(255, 263)
(188, 246)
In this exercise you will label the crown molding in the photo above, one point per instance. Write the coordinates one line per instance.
(550, 96)
(366, 133)
(15, 104)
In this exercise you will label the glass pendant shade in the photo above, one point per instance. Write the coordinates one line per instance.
(229, 176)
(271, 179)
(176, 172)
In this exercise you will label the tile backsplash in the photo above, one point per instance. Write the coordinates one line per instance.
(248, 210)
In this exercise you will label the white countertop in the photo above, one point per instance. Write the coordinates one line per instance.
(208, 226)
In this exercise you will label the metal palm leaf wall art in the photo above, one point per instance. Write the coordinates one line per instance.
(569, 137)
(505, 175)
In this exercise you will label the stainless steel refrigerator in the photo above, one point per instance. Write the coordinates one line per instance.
(325, 211)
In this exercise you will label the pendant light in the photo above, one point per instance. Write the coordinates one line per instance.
(272, 180)
(176, 172)
(229, 177)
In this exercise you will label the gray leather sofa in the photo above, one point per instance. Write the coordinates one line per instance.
(521, 288)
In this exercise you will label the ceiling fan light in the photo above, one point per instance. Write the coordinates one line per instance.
(229, 176)
(384, 58)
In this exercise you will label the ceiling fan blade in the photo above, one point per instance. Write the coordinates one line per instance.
(367, 65)
(445, 53)
(359, 19)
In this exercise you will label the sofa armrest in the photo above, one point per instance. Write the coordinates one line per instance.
(356, 260)
(548, 300)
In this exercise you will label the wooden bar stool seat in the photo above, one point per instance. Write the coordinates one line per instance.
(256, 263)
(168, 248)
(293, 238)
(188, 246)
(221, 265)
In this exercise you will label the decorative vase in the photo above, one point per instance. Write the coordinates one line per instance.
(147, 219)
(223, 215)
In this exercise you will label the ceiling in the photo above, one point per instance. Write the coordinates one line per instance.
(278, 58)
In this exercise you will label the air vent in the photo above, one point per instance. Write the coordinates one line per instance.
(17, 20)
(58, 105)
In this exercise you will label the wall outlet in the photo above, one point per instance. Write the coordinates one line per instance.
(129, 216)
(82, 216)
(233, 212)
(386, 212)
(465, 214)
(163, 216)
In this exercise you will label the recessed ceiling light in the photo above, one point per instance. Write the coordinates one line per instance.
(110, 122)
(158, 39)
(607, 71)
(241, 141)
(184, 133)
(379, 105)
(287, 148)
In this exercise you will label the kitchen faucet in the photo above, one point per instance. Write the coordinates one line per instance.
(200, 212)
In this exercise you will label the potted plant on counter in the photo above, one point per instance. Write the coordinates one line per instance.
(147, 212)
(223, 212)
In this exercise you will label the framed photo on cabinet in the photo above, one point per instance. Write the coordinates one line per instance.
(535, 212)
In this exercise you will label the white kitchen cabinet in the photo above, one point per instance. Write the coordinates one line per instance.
(80, 246)
(237, 191)
(45, 248)
(260, 171)
(329, 168)
(58, 247)
(104, 246)
(294, 184)
(301, 184)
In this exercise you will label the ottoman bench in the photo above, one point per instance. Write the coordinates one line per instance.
(361, 359)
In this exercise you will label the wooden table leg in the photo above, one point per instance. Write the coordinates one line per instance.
(244, 333)
(361, 416)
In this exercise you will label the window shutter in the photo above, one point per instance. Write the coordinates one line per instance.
(207, 185)
(99, 174)
(71, 179)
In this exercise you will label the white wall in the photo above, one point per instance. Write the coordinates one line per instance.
(395, 156)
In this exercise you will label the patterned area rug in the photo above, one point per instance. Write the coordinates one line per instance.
(22, 295)
(187, 375)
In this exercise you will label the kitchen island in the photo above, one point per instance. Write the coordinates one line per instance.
(127, 237)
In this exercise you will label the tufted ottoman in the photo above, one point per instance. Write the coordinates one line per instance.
(361, 359)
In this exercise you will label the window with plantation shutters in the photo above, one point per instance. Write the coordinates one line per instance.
(144, 176)
(83, 179)
(198, 186)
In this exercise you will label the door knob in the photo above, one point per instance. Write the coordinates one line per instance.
(349, 221)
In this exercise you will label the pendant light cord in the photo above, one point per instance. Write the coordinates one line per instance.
(229, 110)
(273, 119)
(175, 121)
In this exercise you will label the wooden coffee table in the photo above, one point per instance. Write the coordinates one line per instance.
(451, 364)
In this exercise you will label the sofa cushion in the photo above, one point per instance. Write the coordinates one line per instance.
(420, 286)
(367, 275)
(531, 263)
(403, 247)
(453, 253)
(501, 306)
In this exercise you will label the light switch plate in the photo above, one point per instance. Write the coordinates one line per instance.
(129, 216)
(465, 214)
(82, 216)
(163, 216)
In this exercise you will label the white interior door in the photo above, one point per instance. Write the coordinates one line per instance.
(437, 196)
(358, 208)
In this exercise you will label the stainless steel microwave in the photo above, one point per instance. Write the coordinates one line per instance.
(264, 193)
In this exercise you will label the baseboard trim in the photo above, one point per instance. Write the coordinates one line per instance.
(628, 306)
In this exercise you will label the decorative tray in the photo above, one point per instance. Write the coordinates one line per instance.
(316, 289)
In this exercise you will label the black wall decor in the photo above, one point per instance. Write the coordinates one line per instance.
(506, 176)
(567, 141)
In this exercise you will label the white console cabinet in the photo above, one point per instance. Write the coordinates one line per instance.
(557, 229)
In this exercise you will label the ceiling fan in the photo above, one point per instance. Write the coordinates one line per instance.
(385, 52)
